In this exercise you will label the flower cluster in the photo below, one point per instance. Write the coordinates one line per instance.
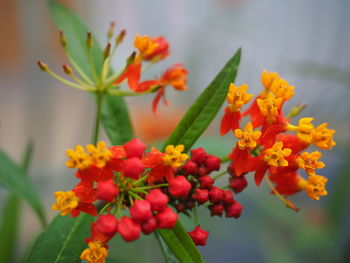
(278, 147)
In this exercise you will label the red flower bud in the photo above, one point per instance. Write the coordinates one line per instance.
(216, 210)
(179, 186)
(157, 199)
(201, 195)
(167, 218)
(238, 184)
(190, 168)
(107, 224)
(149, 226)
(133, 167)
(234, 210)
(199, 236)
(134, 148)
(129, 229)
(141, 210)
(199, 155)
(106, 191)
(180, 207)
(206, 182)
(212, 163)
(202, 171)
(228, 197)
(216, 195)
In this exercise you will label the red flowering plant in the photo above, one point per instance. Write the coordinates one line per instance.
(129, 189)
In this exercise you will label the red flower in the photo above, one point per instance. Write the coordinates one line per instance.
(199, 236)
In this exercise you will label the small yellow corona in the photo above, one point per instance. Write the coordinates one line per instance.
(78, 158)
(269, 107)
(314, 186)
(309, 162)
(247, 137)
(323, 137)
(275, 155)
(238, 96)
(100, 154)
(145, 45)
(174, 156)
(65, 202)
(96, 253)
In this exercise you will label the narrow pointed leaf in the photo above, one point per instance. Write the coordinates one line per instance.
(115, 115)
(181, 244)
(62, 241)
(205, 108)
(13, 178)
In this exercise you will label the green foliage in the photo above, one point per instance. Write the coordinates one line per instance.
(62, 241)
(205, 108)
(13, 178)
(181, 244)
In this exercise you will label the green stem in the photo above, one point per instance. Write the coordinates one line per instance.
(136, 196)
(140, 180)
(92, 65)
(78, 69)
(65, 81)
(117, 207)
(104, 208)
(219, 175)
(195, 216)
(152, 186)
(140, 191)
(98, 116)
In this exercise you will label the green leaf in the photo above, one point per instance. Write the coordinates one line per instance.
(181, 244)
(205, 108)
(62, 241)
(115, 115)
(116, 121)
(13, 178)
(169, 257)
(9, 228)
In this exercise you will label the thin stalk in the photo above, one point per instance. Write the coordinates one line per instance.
(152, 186)
(219, 175)
(104, 208)
(92, 64)
(195, 215)
(130, 199)
(98, 116)
(87, 86)
(78, 69)
(143, 178)
(65, 81)
(140, 191)
(136, 196)
(117, 207)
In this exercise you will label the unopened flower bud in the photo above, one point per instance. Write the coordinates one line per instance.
(202, 171)
(234, 210)
(199, 155)
(216, 195)
(212, 163)
(89, 40)
(141, 210)
(107, 50)
(157, 199)
(131, 58)
(134, 148)
(199, 236)
(133, 167)
(228, 197)
(107, 224)
(201, 195)
(110, 32)
(238, 184)
(129, 229)
(149, 226)
(206, 182)
(107, 191)
(179, 186)
(216, 209)
(120, 37)
(167, 218)
(190, 168)
(63, 40)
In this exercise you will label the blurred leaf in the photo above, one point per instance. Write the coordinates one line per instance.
(62, 241)
(115, 116)
(169, 257)
(9, 228)
(14, 179)
(116, 120)
(205, 108)
(181, 244)
(338, 204)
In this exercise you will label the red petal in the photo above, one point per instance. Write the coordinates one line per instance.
(230, 121)
(259, 175)
(159, 95)
(146, 85)
(88, 208)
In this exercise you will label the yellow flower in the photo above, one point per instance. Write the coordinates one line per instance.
(248, 137)
(100, 155)
(309, 162)
(78, 158)
(96, 253)
(323, 137)
(237, 97)
(267, 78)
(275, 155)
(145, 45)
(269, 107)
(314, 186)
(281, 89)
(174, 156)
(66, 202)
(305, 130)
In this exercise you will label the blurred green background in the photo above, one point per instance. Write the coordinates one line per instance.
(305, 41)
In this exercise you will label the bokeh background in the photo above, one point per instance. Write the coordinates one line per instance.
(307, 42)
